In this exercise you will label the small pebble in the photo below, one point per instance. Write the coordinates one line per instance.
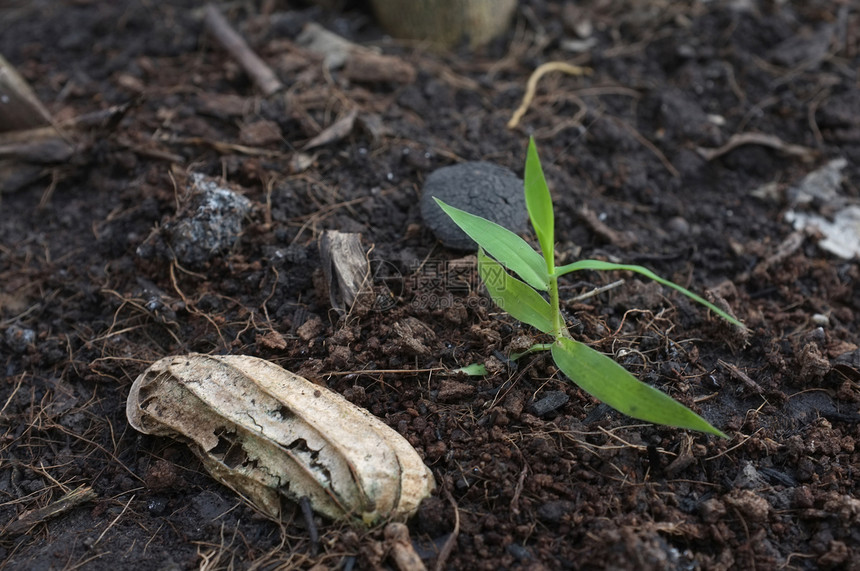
(555, 511)
(521, 553)
(19, 338)
(678, 225)
(156, 506)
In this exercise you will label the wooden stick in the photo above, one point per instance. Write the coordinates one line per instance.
(260, 73)
(402, 552)
(19, 106)
(452, 539)
(64, 504)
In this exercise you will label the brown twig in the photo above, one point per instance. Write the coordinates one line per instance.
(446, 550)
(518, 490)
(684, 459)
(531, 86)
(113, 457)
(736, 446)
(784, 250)
(64, 504)
(739, 375)
(112, 523)
(771, 141)
(260, 73)
(651, 147)
(812, 110)
(616, 238)
(220, 146)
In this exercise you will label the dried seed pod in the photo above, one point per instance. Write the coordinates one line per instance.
(266, 432)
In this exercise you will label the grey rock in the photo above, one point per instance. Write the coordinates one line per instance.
(19, 338)
(520, 552)
(208, 224)
(480, 188)
(749, 478)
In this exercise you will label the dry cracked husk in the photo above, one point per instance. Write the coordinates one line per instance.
(266, 432)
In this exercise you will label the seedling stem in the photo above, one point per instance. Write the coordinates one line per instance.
(501, 251)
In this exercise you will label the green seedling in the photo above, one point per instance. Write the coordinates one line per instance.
(522, 295)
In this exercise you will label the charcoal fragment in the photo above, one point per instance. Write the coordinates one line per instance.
(551, 401)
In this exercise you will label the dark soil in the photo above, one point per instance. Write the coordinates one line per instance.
(566, 483)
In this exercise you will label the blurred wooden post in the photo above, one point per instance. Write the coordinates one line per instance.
(445, 23)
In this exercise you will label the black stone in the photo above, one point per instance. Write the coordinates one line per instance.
(480, 188)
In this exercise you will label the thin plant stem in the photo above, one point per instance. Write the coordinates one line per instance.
(533, 349)
(558, 328)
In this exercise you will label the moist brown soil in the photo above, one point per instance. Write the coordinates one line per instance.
(566, 484)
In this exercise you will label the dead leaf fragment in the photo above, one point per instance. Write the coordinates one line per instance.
(260, 133)
(335, 132)
(454, 390)
(223, 106)
(749, 504)
(372, 68)
(346, 269)
(268, 433)
(335, 49)
(310, 328)
(272, 340)
(414, 335)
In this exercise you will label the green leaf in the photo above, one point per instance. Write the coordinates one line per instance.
(473, 370)
(514, 296)
(606, 380)
(604, 266)
(509, 249)
(539, 205)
